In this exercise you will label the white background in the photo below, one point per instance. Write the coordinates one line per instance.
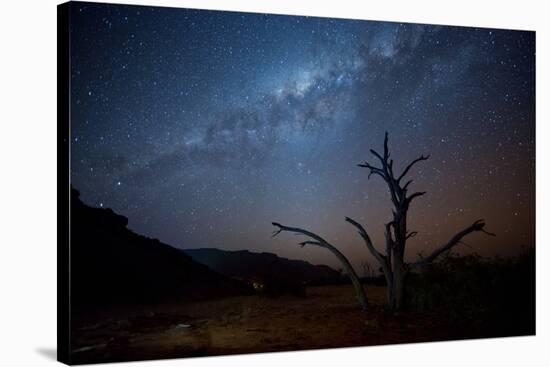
(28, 182)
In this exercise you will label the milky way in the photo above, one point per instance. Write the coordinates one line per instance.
(203, 127)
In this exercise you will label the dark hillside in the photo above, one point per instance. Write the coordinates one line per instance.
(112, 264)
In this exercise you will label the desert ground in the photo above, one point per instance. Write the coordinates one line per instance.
(328, 317)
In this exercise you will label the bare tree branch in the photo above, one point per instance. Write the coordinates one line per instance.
(390, 168)
(415, 195)
(477, 226)
(386, 172)
(386, 149)
(369, 166)
(376, 154)
(411, 234)
(419, 159)
(367, 239)
(373, 170)
(404, 188)
(301, 231)
(320, 241)
(314, 243)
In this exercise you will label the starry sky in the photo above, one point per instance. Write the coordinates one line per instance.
(203, 127)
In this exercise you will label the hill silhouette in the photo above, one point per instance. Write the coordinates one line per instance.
(112, 264)
(264, 267)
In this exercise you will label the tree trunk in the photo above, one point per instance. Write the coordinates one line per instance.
(398, 291)
(389, 294)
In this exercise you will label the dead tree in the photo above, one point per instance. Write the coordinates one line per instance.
(392, 261)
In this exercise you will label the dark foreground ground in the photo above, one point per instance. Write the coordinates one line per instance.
(328, 317)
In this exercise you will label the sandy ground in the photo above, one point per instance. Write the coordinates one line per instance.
(328, 317)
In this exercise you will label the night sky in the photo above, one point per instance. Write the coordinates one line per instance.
(203, 127)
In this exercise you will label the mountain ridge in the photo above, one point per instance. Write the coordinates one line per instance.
(263, 266)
